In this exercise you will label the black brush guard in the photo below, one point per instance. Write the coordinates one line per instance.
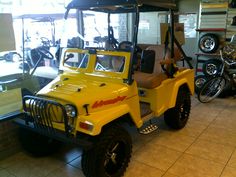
(40, 113)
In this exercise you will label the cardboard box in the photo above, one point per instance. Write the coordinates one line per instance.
(179, 32)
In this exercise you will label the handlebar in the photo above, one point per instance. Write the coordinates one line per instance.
(227, 61)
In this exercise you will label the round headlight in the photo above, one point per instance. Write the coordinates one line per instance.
(71, 111)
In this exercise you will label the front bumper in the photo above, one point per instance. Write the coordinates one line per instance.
(40, 116)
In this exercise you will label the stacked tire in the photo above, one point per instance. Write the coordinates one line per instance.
(208, 43)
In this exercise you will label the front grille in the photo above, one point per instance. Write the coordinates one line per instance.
(43, 113)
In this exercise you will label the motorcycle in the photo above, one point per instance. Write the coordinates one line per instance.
(223, 80)
(212, 67)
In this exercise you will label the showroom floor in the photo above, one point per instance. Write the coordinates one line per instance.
(206, 147)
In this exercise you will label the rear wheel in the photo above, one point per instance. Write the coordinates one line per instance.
(36, 144)
(177, 116)
(110, 155)
(211, 89)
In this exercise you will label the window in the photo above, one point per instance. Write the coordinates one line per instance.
(110, 63)
(190, 24)
(149, 27)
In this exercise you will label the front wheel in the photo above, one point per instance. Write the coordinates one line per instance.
(199, 82)
(211, 89)
(110, 155)
(177, 116)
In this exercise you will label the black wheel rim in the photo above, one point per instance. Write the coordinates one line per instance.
(183, 112)
(115, 157)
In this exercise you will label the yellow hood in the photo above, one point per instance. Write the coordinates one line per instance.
(86, 89)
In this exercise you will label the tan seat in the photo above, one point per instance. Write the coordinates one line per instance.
(150, 81)
(153, 80)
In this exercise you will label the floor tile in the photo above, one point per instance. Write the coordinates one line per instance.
(36, 167)
(5, 173)
(14, 159)
(169, 175)
(202, 117)
(211, 109)
(156, 156)
(139, 140)
(66, 171)
(76, 163)
(211, 151)
(229, 172)
(219, 135)
(227, 112)
(201, 149)
(173, 140)
(192, 166)
(225, 122)
(232, 161)
(137, 169)
(193, 128)
(68, 153)
(194, 101)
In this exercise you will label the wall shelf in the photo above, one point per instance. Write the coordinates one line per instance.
(211, 29)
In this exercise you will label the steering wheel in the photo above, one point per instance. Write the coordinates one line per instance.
(45, 41)
(45, 53)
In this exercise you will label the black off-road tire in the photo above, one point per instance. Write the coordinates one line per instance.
(36, 144)
(208, 43)
(178, 116)
(113, 145)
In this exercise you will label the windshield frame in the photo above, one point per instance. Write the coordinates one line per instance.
(135, 6)
(129, 68)
(91, 65)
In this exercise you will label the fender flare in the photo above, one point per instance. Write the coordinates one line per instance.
(175, 91)
(108, 116)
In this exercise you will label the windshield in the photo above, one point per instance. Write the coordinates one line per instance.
(104, 61)
(94, 30)
(96, 62)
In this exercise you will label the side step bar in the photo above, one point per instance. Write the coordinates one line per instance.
(147, 129)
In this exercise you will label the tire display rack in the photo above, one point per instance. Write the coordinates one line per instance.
(202, 57)
(212, 30)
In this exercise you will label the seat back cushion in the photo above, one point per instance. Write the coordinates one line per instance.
(159, 55)
(147, 61)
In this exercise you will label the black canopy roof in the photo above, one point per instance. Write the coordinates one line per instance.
(119, 6)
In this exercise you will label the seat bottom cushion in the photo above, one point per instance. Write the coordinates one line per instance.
(149, 81)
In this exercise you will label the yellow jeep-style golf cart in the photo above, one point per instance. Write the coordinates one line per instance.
(107, 82)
